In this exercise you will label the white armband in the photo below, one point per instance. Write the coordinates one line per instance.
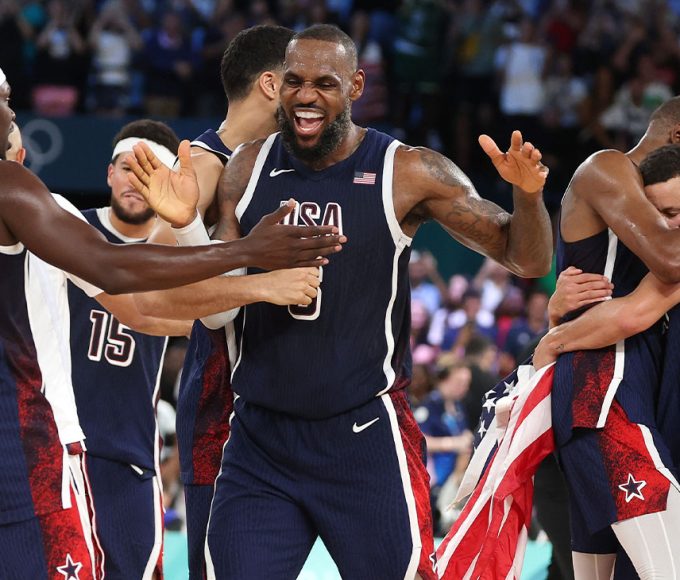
(193, 234)
(219, 320)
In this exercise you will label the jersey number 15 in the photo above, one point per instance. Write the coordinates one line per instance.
(110, 339)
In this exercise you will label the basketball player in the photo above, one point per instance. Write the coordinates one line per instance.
(322, 441)
(251, 71)
(616, 459)
(43, 535)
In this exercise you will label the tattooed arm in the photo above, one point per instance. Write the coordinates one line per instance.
(430, 186)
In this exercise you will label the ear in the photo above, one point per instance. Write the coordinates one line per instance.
(269, 85)
(675, 134)
(109, 173)
(21, 155)
(358, 82)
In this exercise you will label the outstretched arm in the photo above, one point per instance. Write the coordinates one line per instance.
(611, 321)
(430, 186)
(29, 214)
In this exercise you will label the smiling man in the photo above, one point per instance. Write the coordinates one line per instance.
(322, 441)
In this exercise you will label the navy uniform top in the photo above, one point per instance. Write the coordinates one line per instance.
(205, 399)
(352, 343)
(586, 382)
(668, 413)
(116, 374)
(31, 479)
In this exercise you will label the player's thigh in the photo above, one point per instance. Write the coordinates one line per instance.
(198, 499)
(127, 515)
(374, 513)
(256, 528)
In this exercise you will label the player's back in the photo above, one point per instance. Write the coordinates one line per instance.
(351, 343)
(31, 481)
(116, 373)
(586, 382)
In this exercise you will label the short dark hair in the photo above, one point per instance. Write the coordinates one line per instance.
(148, 129)
(667, 114)
(661, 165)
(252, 52)
(446, 371)
(331, 33)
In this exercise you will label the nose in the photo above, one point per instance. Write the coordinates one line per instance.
(307, 93)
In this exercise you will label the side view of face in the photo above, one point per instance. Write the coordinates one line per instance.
(665, 197)
(7, 117)
(126, 203)
(319, 85)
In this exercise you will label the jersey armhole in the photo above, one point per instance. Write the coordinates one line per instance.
(398, 236)
(243, 204)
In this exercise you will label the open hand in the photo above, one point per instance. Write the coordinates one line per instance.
(271, 245)
(172, 195)
(521, 165)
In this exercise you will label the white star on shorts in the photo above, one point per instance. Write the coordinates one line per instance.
(632, 488)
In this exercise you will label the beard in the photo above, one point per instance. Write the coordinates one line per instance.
(128, 217)
(329, 140)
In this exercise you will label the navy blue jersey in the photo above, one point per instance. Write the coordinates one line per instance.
(586, 382)
(351, 344)
(668, 415)
(205, 399)
(116, 374)
(32, 456)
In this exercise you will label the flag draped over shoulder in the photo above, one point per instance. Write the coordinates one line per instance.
(489, 538)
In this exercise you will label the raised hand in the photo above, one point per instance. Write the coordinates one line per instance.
(172, 195)
(292, 287)
(521, 165)
(271, 245)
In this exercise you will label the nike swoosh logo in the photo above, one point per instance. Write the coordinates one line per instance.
(275, 172)
(359, 428)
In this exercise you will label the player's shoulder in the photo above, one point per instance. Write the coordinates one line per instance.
(602, 171)
(15, 178)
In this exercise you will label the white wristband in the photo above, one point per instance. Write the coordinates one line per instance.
(193, 234)
(214, 321)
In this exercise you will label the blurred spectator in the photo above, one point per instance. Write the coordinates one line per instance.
(113, 41)
(421, 268)
(480, 356)
(422, 383)
(524, 330)
(418, 47)
(493, 282)
(521, 65)
(468, 320)
(420, 323)
(15, 31)
(458, 284)
(60, 64)
(371, 108)
(509, 310)
(442, 420)
(168, 60)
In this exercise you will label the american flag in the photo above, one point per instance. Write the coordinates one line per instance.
(489, 538)
(365, 178)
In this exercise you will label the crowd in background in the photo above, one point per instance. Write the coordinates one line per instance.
(574, 75)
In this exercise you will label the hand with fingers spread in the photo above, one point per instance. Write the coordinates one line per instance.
(296, 286)
(576, 289)
(172, 195)
(271, 245)
(521, 165)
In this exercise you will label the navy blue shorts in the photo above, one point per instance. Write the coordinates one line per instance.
(357, 480)
(197, 499)
(615, 473)
(128, 517)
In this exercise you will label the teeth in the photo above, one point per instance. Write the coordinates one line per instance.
(308, 115)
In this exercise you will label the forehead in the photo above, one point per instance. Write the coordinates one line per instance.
(664, 194)
(317, 58)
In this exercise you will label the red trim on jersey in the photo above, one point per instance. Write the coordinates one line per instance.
(414, 446)
(593, 372)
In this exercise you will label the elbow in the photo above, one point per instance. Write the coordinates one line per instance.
(532, 269)
(667, 272)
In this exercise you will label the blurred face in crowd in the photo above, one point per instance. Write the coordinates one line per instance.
(537, 306)
(318, 88)
(456, 385)
(419, 315)
(6, 119)
(126, 203)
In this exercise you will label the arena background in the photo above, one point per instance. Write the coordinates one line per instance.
(574, 75)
